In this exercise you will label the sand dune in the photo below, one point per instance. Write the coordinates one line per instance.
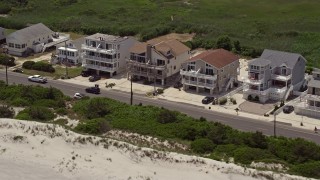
(31, 150)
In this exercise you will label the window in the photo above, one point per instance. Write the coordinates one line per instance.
(118, 46)
(23, 46)
(118, 55)
(18, 46)
(174, 68)
(11, 45)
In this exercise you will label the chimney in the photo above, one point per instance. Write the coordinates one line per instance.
(148, 55)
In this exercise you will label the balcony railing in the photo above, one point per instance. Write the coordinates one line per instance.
(146, 65)
(95, 49)
(147, 74)
(313, 97)
(281, 77)
(101, 68)
(100, 59)
(250, 80)
(254, 91)
(198, 75)
(199, 84)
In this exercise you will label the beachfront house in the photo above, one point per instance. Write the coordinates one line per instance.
(106, 53)
(157, 60)
(213, 71)
(33, 39)
(274, 76)
(70, 50)
(311, 104)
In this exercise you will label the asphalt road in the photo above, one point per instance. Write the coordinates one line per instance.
(241, 123)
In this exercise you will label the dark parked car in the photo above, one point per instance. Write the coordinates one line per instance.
(94, 90)
(85, 74)
(18, 70)
(288, 109)
(207, 100)
(94, 78)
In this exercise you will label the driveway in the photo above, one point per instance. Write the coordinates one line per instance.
(256, 108)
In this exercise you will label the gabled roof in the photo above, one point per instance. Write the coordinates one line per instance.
(139, 48)
(279, 58)
(218, 58)
(31, 32)
(174, 46)
(259, 62)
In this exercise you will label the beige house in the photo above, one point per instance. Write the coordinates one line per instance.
(212, 71)
(311, 106)
(157, 59)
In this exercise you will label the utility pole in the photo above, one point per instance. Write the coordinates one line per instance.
(274, 124)
(154, 84)
(66, 61)
(131, 94)
(5, 49)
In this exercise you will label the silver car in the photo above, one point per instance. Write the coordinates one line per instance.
(37, 78)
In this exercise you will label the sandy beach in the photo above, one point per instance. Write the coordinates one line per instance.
(31, 150)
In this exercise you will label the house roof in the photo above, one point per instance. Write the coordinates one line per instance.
(280, 58)
(174, 46)
(31, 32)
(218, 58)
(106, 37)
(259, 62)
(139, 48)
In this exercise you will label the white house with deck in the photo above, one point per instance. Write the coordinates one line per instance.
(106, 53)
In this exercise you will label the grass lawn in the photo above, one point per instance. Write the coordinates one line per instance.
(60, 71)
(282, 25)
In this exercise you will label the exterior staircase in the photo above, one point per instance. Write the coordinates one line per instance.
(287, 93)
(229, 84)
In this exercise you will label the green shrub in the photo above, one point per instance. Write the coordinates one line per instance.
(245, 155)
(61, 111)
(217, 133)
(36, 113)
(223, 101)
(202, 145)
(28, 64)
(224, 42)
(94, 126)
(92, 108)
(19, 102)
(39, 66)
(160, 91)
(234, 101)
(309, 169)
(7, 60)
(256, 98)
(249, 97)
(166, 116)
(6, 111)
(42, 66)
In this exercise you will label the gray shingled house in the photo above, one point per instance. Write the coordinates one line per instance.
(28, 39)
(275, 75)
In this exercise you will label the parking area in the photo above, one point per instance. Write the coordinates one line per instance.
(256, 108)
